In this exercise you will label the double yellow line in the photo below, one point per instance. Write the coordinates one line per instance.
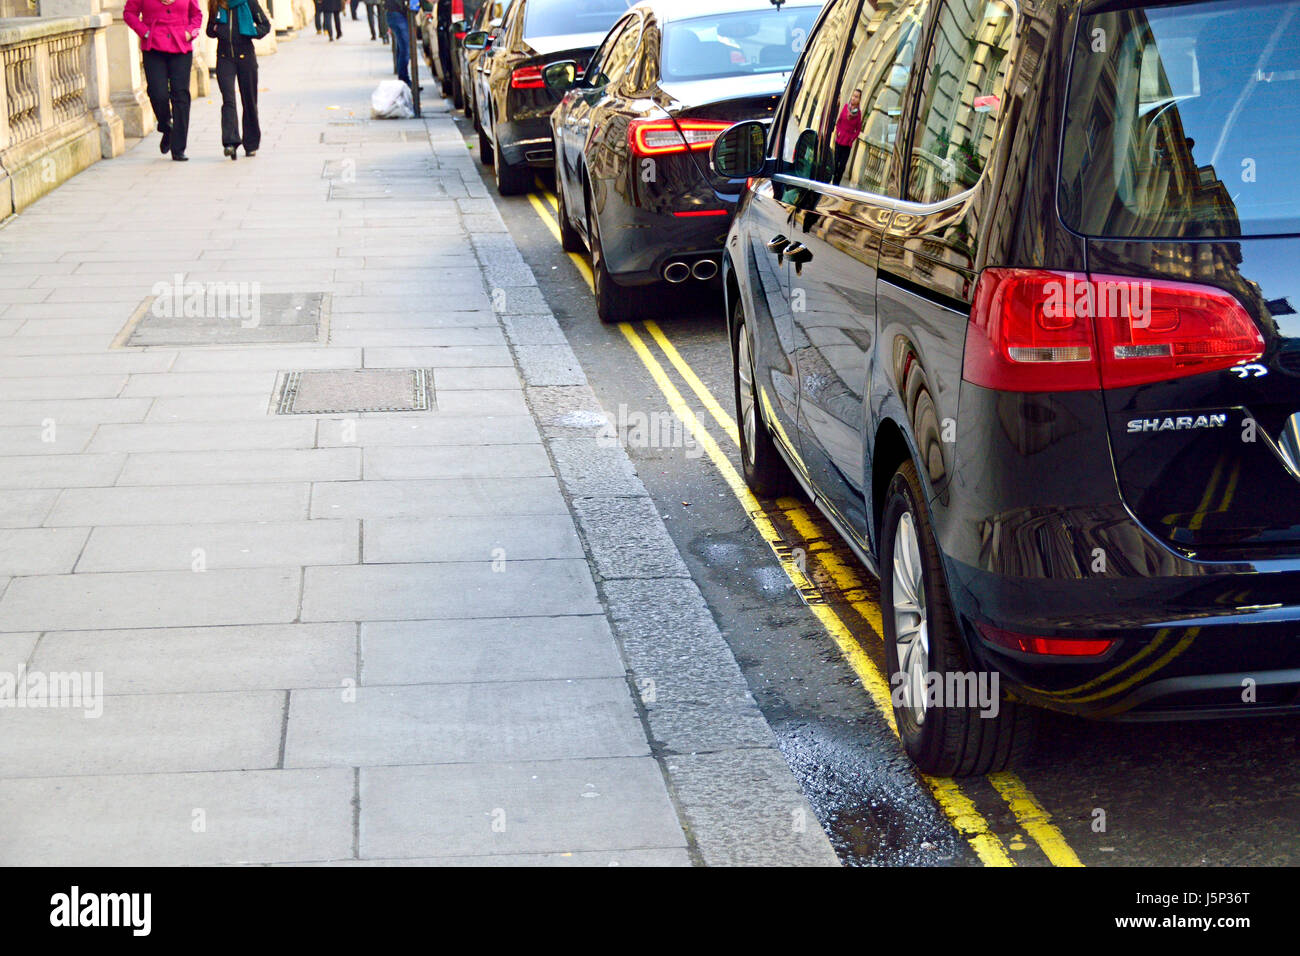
(956, 805)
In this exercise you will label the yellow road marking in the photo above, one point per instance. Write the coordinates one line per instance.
(955, 804)
(1036, 820)
(583, 269)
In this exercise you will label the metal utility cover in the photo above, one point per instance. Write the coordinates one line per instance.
(341, 391)
(234, 317)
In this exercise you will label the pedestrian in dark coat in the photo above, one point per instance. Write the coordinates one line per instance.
(331, 10)
(233, 24)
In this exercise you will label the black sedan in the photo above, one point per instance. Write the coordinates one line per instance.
(1018, 308)
(514, 104)
(488, 19)
(632, 136)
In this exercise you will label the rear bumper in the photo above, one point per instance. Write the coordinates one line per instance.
(1037, 541)
(527, 142)
(639, 243)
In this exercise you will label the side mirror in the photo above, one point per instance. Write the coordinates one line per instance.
(741, 150)
(560, 76)
(478, 40)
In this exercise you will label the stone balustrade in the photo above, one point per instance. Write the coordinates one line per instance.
(57, 118)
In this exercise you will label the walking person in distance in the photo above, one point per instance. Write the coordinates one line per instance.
(331, 10)
(234, 24)
(167, 30)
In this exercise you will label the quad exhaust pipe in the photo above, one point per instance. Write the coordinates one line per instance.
(678, 271)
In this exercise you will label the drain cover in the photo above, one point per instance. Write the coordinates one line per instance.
(337, 391)
(227, 314)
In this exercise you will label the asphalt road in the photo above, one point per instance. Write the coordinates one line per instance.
(1203, 793)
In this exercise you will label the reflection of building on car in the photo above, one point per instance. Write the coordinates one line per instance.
(513, 103)
(632, 137)
(1034, 349)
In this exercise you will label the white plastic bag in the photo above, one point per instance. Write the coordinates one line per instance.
(391, 100)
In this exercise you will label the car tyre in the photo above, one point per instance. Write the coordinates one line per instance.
(764, 469)
(457, 94)
(947, 741)
(614, 303)
(484, 147)
(570, 241)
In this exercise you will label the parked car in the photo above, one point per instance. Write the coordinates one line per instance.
(514, 104)
(488, 19)
(632, 134)
(1031, 338)
(437, 38)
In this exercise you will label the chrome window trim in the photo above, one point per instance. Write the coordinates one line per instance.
(877, 199)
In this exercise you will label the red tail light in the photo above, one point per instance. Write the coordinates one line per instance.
(457, 10)
(1038, 331)
(1055, 646)
(460, 34)
(527, 78)
(660, 137)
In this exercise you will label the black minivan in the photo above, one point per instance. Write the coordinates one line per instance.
(1014, 294)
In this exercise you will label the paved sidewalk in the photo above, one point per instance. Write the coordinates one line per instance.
(443, 636)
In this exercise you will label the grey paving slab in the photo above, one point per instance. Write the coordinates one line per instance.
(150, 599)
(480, 402)
(428, 429)
(492, 649)
(184, 504)
(56, 387)
(284, 432)
(463, 724)
(250, 360)
(40, 550)
(487, 538)
(437, 497)
(403, 592)
(457, 461)
(163, 733)
(49, 438)
(404, 338)
(206, 408)
(439, 357)
(263, 816)
(194, 659)
(26, 509)
(528, 807)
(668, 856)
(15, 649)
(198, 383)
(86, 411)
(194, 467)
(263, 544)
(447, 379)
(59, 471)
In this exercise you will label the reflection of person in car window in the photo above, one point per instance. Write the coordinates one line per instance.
(847, 129)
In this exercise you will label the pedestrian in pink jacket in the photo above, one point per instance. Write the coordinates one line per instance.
(167, 29)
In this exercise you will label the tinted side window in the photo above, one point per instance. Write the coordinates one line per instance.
(962, 100)
(871, 97)
(597, 73)
(803, 151)
(623, 51)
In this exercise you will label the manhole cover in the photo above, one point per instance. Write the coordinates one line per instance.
(337, 391)
(226, 313)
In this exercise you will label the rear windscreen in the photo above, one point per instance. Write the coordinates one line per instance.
(1183, 121)
(736, 44)
(552, 18)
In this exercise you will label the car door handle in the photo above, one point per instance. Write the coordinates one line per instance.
(797, 252)
(777, 244)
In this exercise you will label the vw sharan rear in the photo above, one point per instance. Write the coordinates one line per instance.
(1172, 585)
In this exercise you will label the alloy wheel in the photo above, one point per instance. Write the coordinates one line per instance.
(911, 635)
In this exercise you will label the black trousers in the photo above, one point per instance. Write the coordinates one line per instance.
(241, 70)
(355, 4)
(167, 80)
(338, 23)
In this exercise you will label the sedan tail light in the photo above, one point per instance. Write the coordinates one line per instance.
(660, 137)
(527, 78)
(1039, 331)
